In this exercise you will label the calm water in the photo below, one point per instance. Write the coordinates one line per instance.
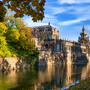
(44, 78)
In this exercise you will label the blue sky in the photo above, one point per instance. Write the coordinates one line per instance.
(68, 16)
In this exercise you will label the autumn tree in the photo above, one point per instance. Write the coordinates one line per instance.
(11, 22)
(15, 40)
(33, 8)
(4, 50)
(3, 11)
(18, 34)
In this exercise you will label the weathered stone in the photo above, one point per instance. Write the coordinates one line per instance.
(12, 63)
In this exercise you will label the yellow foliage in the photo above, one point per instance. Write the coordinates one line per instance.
(2, 40)
(25, 38)
(20, 24)
(14, 55)
(1, 53)
(15, 34)
(3, 28)
(8, 54)
(28, 33)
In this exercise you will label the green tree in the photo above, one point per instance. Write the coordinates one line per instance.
(18, 40)
(3, 11)
(11, 22)
(33, 8)
(12, 35)
(18, 33)
(4, 50)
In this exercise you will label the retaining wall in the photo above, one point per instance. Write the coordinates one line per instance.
(13, 63)
(53, 58)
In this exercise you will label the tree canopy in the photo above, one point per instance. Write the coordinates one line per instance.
(18, 34)
(3, 11)
(33, 8)
(16, 40)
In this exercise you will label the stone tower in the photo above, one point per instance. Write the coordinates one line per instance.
(83, 39)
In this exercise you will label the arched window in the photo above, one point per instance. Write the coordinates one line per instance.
(49, 36)
(44, 36)
(58, 47)
(46, 45)
(40, 37)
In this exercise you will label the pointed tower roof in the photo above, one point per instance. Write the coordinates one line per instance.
(83, 33)
(49, 23)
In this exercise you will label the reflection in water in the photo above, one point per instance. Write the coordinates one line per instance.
(44, 78)
(85, 71)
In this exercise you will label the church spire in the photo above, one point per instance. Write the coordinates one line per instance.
(83, 29)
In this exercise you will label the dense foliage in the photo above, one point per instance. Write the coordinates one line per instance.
(16, 40)
(4, 50)
(2, 11)
(33, 8)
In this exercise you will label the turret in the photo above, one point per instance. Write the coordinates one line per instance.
(49, 23)
(83, 33)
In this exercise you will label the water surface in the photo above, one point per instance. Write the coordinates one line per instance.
(57, 77)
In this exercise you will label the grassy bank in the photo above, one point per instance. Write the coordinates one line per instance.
(82, 85)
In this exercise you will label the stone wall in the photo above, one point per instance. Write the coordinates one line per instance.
(13, 63)
(53, 58)
(45, 58)
(79, 57)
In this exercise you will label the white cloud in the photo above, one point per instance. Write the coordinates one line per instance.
(79, 12)
(73, 21)
(82, 13)
(50, 18)
(76, 9)
(73, 1)
(46, 20)
(30, 23)
(57, 10)
(66, 1)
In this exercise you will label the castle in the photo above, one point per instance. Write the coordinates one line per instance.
(47, 39)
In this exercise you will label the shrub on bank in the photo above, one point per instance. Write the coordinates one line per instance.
(82, 85)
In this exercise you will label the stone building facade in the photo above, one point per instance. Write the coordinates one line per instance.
(48, 39)
(57, 51)
(45, 32)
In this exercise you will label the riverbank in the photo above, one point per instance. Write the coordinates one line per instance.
(10, 63)
(44, 78)
(82, 85)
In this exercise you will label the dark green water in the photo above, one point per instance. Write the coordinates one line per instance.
(56, 77)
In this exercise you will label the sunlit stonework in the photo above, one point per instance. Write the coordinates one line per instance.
(48, 39)
(48, 42)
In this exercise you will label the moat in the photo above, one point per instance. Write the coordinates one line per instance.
(57, 77)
